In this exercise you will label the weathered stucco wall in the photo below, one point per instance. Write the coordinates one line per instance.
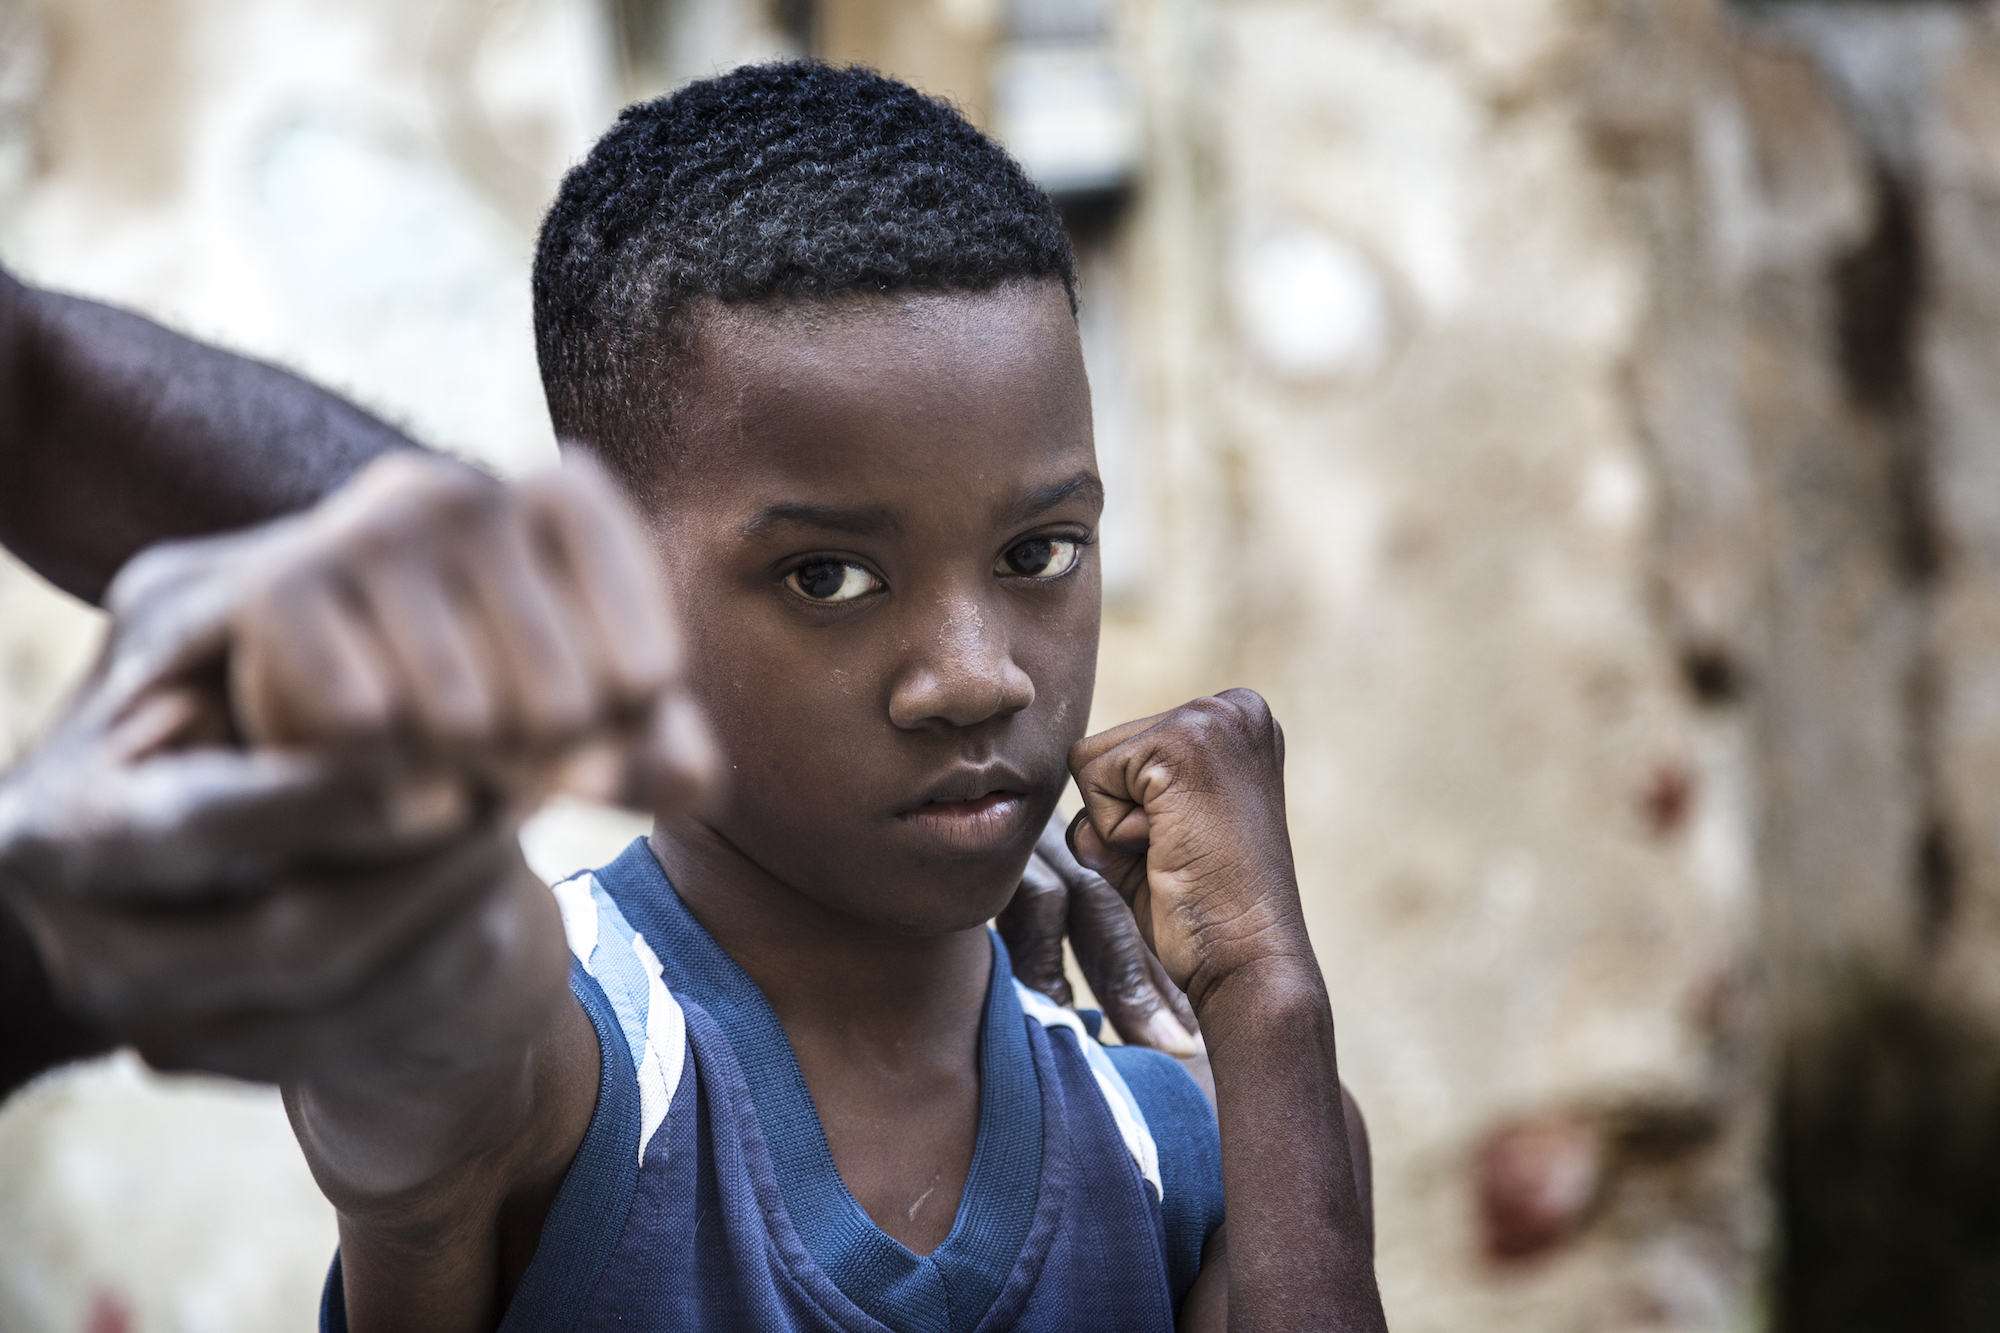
(1407, 498)
(1577, 419)
(1816, 380)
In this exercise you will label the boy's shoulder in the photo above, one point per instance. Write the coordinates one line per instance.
(623, 990)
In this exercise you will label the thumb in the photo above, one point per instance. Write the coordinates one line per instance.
(1127, 835)
(1106, 768)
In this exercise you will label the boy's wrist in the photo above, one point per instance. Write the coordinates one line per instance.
(1269, 986)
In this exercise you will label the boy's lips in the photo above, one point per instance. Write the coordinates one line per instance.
(970, 824)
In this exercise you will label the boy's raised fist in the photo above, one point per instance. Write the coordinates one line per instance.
(1058, 898)
(1184, 814)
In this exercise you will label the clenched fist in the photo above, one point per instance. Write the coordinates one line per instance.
(274, 834)
(1184, 814)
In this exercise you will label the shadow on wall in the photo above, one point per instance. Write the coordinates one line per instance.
(1888, 1171)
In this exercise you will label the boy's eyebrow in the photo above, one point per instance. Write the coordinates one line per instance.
(1036, 503)
(873, 521)
(865, 522)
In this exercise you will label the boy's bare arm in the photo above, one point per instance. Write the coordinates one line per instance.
(1184, 815)
(1057, 894)
(477, 641)
(443, 1153)
(116, 434)
(471, 641)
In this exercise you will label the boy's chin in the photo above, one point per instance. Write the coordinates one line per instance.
(935, 910)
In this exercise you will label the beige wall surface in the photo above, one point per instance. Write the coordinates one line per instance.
(1471, 381)
(1387, 300)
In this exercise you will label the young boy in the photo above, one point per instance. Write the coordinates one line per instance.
(822, 330)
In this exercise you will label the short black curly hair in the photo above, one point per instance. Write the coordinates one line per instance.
(771, 182)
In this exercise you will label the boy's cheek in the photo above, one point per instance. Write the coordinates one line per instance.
(785, 718)
(1063, 665)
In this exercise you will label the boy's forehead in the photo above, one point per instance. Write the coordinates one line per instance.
(982, 391)
(875, 348)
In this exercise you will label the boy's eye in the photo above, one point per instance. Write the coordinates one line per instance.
(1040, 557)
(831, 581)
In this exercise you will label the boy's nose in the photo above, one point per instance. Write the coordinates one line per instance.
(960, 673)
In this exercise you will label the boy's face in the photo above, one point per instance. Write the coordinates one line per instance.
(879, 524)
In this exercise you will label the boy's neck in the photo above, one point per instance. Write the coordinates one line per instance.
(823, 971)
(885, 1027)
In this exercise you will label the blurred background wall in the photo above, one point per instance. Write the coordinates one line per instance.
(1581, 418)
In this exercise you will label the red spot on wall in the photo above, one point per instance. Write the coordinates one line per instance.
(1536, 1181)
(109, 1314)
(1668, 800)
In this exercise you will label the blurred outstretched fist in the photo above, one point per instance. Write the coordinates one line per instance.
(518, 636)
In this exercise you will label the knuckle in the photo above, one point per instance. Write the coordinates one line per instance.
(1197, 722)
(1244, 705)
(564, 494)
(1234, 714)
(632, 682)
(1131, 984)
(1250, 704)
(467, 505)
(287, 588)
(379, 539)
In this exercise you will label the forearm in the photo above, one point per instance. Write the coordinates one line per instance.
(443, 1149)
(442, 1182)
(476, 1031)
(1300, 1253)
(116, 433)
(382, 1142)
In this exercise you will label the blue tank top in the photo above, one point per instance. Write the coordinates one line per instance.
(704, 1195)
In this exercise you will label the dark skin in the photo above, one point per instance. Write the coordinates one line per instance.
(224, 900)
(116, 434)
(879, 531)
(1184, 816)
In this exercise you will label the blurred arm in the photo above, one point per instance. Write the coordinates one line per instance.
(116, 433)
(275, 838)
